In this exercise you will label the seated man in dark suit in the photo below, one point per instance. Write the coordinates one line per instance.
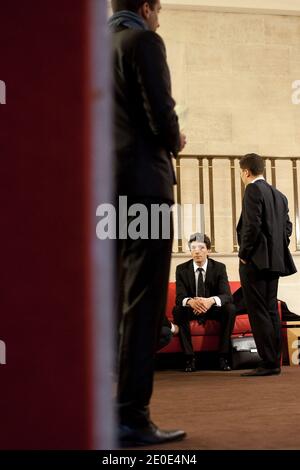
(203, 292)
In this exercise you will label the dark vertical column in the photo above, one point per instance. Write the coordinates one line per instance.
(273, 172)
(296, 203)
(179, 213)
(211, 203)
(233, 204)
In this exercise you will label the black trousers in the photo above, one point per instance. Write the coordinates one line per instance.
(144, 275)
(225, 315)
(260, 295)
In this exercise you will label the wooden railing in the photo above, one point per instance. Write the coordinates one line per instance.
(208, 189)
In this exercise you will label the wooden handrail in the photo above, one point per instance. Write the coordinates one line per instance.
(232, 168)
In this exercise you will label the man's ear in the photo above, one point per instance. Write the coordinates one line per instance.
(145, 10)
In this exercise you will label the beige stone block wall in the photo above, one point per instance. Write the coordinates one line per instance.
(232, 73)
(277, 6)
(282, 30)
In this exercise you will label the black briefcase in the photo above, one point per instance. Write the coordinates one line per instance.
(244, 353)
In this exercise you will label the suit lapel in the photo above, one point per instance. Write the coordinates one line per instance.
(191, 277)
(239, 225)
(208, 276)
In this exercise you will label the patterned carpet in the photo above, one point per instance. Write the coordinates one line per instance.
(221, 410)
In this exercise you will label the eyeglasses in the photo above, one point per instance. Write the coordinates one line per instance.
(198, 247)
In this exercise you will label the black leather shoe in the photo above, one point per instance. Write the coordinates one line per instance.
(261, 372)
(149, 435)
(224, 365)
(190, 365)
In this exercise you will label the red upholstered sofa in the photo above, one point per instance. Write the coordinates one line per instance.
(204, 338)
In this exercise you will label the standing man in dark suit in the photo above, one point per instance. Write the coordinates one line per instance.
(146, 136)
(202, 293)
(263, 232)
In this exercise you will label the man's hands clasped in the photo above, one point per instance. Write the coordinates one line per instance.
(200, 305)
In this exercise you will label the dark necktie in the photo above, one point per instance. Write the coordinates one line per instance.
(200, 284)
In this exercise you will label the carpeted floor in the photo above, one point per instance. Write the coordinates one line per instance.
(221, 410)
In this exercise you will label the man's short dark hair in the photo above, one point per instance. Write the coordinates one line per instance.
(200, 237)
(253, 163)
(131, 5)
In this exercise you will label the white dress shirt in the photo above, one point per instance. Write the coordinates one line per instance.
(258, 178)
(197, 273)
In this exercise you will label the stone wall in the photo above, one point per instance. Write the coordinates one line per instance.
(232, 79)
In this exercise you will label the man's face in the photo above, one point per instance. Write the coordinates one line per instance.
(244, 176)
(152, 19)
(199, 252)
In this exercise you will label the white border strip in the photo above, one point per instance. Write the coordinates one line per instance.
(101, 250)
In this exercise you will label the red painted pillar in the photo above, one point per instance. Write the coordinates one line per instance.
(46, 385)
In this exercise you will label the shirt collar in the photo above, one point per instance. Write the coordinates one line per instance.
(258, 178)
(204, 267)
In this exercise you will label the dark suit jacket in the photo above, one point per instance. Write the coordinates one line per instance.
(216, 282)
(146, 130)
(264, 229)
